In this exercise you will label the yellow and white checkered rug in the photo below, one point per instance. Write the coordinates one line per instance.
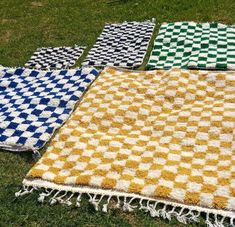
(148, 138)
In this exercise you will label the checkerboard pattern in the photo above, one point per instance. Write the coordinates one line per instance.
(123, 45)
(35, 103)
(194, 45)
(50, 58)
(167, 134)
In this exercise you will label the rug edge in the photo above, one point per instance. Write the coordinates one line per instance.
(186, 213)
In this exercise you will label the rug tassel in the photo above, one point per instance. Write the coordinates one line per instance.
(185, 217)
(232, 220)
(36, 154)
(53, 200)
(43, 195)
(152, 209)
(142, 206)
(163, 212)
(181, 218)
(118, 202)
(78, 201)
(60, 198)
(172, 212)
(26, 190)
(105, 206)
(127, 205)
(94, 202)
(194, 217)
(67, 201)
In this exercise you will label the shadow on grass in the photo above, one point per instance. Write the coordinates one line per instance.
(118, 1)
(26, 155)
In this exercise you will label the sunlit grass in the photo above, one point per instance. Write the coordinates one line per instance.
(26, 25)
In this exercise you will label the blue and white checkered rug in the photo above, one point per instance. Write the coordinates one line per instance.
(35, 103)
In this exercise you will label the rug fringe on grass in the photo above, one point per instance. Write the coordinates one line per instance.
(100, 199)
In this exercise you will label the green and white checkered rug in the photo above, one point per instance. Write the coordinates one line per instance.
(194, 45)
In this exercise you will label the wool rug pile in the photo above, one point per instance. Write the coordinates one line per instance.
(35, 103)
(50, 58)
(161, 141)
(194, 45)
(123, 45)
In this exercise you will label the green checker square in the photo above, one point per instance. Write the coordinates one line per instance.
(202, 59)
(221, 65)
(204, 45)
(222, 59)
(162, 58)
(171, 54)
(222, 46)
(211, 55)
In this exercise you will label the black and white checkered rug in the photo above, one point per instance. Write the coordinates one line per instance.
(123, 45)
(54, 57)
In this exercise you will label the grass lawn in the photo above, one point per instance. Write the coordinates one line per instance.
(26, 25)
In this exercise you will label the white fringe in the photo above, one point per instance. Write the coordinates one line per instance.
(129, 204)
(36, 154)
